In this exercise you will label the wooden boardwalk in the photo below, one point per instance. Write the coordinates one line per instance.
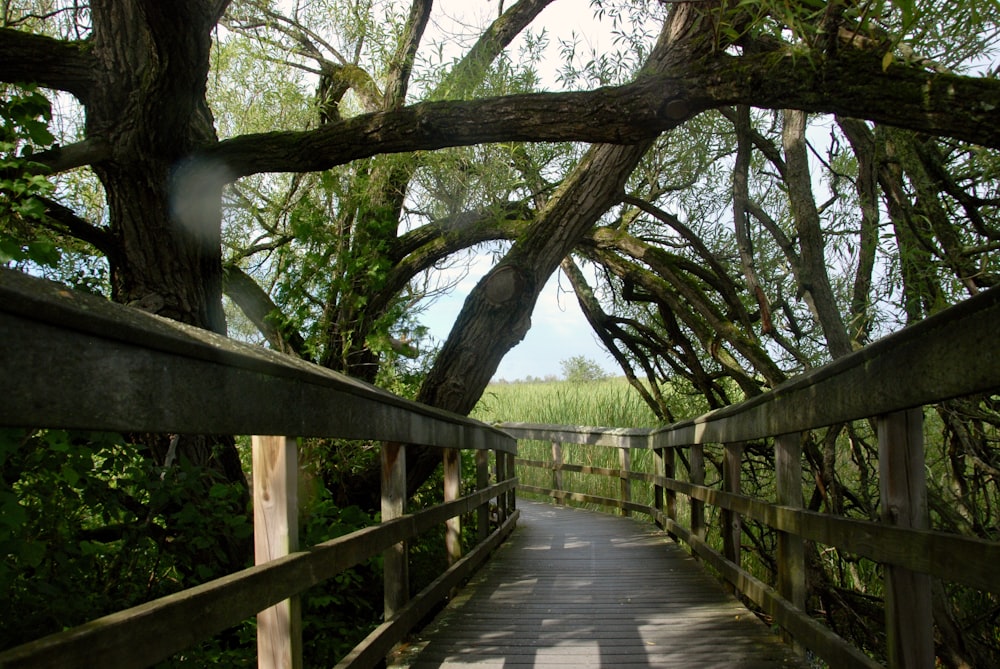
(574, 588)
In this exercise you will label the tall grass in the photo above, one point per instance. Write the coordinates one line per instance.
(606, 403)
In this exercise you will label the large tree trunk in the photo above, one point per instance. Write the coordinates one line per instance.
(148, 106)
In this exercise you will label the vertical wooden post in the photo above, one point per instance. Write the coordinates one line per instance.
(658, 471)
(512, 495)
(903, 488)
(276, 533)
(452, 491)
(791, 549)
(395, 562)
(624, 476)
(697, 464)
(501, 464)
(482, 481)
(732, 531)
(557, 477)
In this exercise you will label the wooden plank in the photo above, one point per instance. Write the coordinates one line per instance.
(950, 557)
(204, 382)
(276, 534)
(377, 645)
(573, 588)
(616, 437)
(903, 489)
(834, 650)
(395, 558)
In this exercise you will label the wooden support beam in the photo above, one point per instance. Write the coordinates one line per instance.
(512, 493)
(625, 470)
(452, 491)
(501, 463)
(660, 471)
(395, 559)
(903, 487)
(791, 548)
(557, 464)
(482, 481)
(697, 464)
(732, 528)
(276, 534)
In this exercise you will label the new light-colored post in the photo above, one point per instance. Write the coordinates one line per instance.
(903, 487)
(276, 534)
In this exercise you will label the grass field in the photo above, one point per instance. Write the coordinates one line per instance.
(605, 403)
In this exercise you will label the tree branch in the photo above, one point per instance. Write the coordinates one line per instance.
(853, 84)
(52, 63)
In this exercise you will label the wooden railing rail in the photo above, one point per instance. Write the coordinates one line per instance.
(951, 354)
(77, 362)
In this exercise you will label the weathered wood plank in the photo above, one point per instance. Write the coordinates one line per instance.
(148, 374)
(903, 490)
(950, 557)
(395, 558)
(575, 588)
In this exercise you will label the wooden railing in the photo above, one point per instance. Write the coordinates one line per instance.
(76, 362)
(954, 353)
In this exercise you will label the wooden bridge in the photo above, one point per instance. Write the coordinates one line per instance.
(104, 359)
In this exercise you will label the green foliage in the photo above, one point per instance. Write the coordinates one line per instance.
(24, 115)
(90, 526)
(580, 369)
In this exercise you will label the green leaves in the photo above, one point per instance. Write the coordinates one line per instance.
(25, 114)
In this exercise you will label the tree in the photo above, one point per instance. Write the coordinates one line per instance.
(580, 369)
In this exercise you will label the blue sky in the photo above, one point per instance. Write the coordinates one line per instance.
(558, 331)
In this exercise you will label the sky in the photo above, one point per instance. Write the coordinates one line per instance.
(559, 330)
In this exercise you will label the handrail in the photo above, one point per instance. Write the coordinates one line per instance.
(951, 354)
(119, 369)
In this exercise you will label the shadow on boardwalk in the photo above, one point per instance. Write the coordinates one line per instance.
(574, 588)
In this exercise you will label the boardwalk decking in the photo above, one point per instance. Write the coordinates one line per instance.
(574, 588)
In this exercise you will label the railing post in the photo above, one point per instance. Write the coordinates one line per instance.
(697, 464)
(732, 531)
(903, 488)
(276, 534)
(659, 470)
(512, 494)
(452, 491)
(501, 465)
(482, 481)
(791, 548)
(624, 475)
(557, 463)
(395, 562)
